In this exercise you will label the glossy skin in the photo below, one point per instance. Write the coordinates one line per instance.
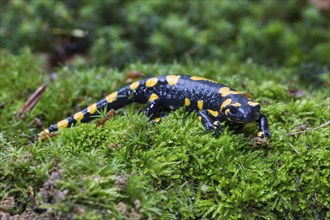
(213, 102)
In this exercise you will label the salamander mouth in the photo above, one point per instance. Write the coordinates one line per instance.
(253, 118)
(245, 119)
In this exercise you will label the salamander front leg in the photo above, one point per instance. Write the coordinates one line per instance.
(263, 127)
(152, 108)
(209, 122)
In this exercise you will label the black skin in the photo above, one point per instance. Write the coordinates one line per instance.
(213, 102)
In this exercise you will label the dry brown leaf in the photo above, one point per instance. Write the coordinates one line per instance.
(32, 101)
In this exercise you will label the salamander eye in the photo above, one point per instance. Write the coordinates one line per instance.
(257, 107)
(233, 110)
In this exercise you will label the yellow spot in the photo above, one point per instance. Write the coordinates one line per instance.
(199, 118)
(225, 103)
(213, 113)
(172, 79)
(112, 97)
(253, 103)
(237, 104)
(44, 132)
(151, 82)
(200, 104)
(134, 85)
(62, 124)
(201, 78)
(78, 116)
(224, 91)
(260, 134)
(157, 120)
(226, 112)
(186, 102)
(153, 97)
(92, 108)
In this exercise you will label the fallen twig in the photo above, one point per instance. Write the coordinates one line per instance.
(309, 129)
(109, 115)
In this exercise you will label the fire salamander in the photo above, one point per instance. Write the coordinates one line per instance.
(213, 102)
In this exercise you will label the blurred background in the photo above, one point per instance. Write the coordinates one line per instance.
(292, 33)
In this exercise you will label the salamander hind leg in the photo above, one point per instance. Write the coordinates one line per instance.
(209, 121)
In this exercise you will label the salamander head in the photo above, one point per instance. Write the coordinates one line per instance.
(243, 113)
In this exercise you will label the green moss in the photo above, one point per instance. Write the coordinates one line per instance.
(130, 168)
